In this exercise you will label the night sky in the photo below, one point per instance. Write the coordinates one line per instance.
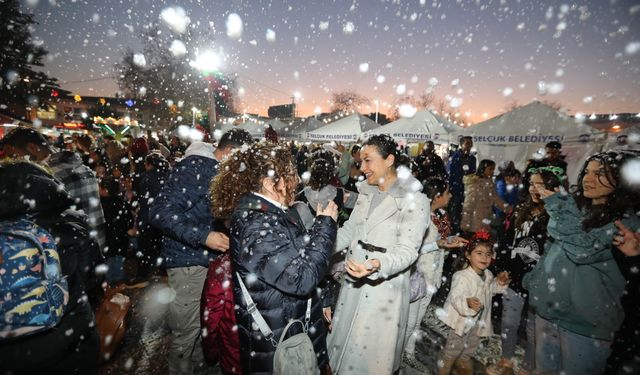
(480, 55)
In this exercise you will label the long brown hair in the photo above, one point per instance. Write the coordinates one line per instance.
(623, 198)
(243, 171)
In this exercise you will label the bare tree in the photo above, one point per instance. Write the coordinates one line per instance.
(169, 83)
(347, 100)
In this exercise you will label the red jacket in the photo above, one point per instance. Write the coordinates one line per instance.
(217, 316)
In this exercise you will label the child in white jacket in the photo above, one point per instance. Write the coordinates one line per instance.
(467, 310)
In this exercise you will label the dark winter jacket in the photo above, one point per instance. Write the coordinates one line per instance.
(624, 358)
(521, 248)
(182, 211)
(147, 190)
(281, 271)
(27, 190)
(118, 217)
(460, 165)
(430, 165)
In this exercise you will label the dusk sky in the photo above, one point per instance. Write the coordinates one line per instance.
(481, 56)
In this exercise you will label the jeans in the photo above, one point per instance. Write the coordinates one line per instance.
(115, 272)
(183, 319)
(559, 350)
(512, 305)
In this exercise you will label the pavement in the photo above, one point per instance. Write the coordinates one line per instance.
(144, 349)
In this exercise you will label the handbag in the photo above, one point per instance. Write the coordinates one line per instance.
(418, 285)
(293, 356)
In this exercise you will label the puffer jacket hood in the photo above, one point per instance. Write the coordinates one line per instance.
(27, 188)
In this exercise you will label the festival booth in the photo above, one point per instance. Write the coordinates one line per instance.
(521, 134)
(299, 128)
(422, 127)
(254, 126)
(627, 139)
(278, 126)
(347, 129)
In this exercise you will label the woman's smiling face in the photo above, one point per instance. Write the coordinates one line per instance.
(374, 166)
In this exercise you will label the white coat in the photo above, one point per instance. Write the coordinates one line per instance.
(457, 314)
(371, 313)
(431, 260)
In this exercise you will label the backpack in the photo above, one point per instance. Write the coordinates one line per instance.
(293, 356)
(33, 292)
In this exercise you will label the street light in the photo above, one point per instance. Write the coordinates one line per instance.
(194, 110)
(208, 62)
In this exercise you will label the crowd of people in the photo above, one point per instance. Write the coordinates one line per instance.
(352, 243)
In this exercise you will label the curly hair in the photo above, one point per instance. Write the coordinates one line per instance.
(321, 166)
(243, 171)
(386, 146)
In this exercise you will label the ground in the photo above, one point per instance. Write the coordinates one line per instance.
(144, 349)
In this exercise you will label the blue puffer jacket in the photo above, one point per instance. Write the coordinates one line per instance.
(182, 212)
(281, 271)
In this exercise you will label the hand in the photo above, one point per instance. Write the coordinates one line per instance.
(331, 210)
(327, 314)
(217, 241)
(474, 304)
(626, 240)
(503, 278)
(452, 242)
(358, 270)
(544, 193)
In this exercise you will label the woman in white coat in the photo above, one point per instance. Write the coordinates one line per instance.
(382, 238)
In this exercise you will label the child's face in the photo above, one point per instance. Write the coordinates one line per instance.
(480, 258)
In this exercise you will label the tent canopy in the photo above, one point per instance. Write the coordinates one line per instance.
(299, 128)
(521, 134)
(422, 127)
(627, 139)
(347, 129)
(278, 125)
(256, 129)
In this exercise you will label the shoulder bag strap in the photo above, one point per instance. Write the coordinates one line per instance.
(255, 314)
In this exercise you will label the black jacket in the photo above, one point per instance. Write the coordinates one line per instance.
(282, 271)
(72, 346)
(118, 220)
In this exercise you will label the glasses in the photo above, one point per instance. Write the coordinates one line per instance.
(557, 171)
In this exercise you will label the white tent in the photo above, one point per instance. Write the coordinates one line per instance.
(627, 139)
(422, 127)
(347, 129)
(254, 127)
(278, 125)
(520, 135)
(299, 128)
